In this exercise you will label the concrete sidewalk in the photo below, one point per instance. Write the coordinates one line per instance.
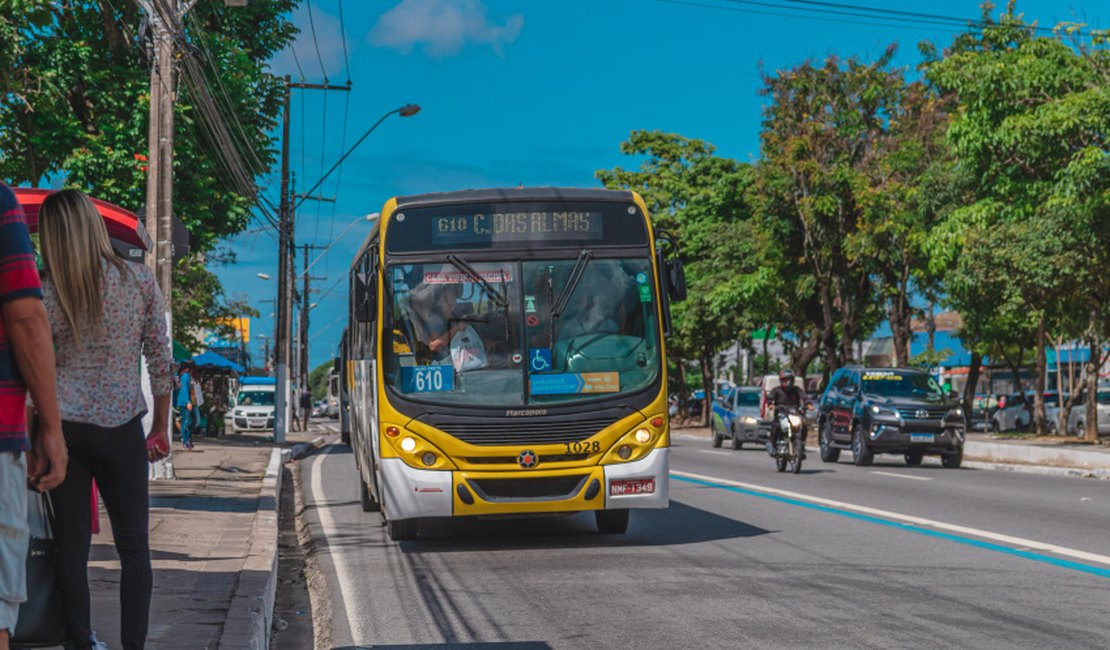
(213, 538)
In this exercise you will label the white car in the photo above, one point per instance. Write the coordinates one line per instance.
(254, 406)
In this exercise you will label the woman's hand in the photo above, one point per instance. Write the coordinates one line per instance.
(157, 445)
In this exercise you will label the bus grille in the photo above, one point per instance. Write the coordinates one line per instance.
(524, 432)
(546, 488)
(512, 460)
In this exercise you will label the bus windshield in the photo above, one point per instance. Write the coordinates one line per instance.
(488, 334)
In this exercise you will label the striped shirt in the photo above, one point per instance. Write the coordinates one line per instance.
(19, 278)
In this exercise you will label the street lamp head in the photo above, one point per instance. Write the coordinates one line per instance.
(264, 276)
(372, 216)
(408, 110)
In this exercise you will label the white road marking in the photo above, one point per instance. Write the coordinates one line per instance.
(1008, 540)
(906, 476)
(327, 522)
(713, 451)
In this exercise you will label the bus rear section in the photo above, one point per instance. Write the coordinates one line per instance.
(518, 366)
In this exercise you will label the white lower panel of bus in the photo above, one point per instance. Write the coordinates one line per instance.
(650, 471)
(411, 492)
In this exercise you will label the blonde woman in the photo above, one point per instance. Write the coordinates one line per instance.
(105, 312)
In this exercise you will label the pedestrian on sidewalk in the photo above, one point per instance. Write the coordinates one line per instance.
(186, 404)
(105, 313)
(26, 364)
(306, 406)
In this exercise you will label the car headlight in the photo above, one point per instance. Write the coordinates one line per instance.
(238, 413)
(956, 413)
(882, 410)
(748, 420)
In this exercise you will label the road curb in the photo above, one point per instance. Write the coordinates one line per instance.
(1102, 474)
(250, 615)
(303, 449)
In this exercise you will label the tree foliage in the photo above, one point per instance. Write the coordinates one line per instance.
(699, 197)
(1026, 249)
(75, 99)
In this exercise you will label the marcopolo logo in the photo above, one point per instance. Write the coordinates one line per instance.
(517, 413)
(527, 459)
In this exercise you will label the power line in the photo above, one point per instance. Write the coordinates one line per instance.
(820, 10)
(315, 43)
(757, 12)
(343, 33)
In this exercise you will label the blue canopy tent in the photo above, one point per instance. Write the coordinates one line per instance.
(213, 360)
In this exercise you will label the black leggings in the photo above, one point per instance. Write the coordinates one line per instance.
(117, 459)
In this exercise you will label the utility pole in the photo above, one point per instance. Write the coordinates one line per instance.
(159, 182)
(281, 341)
(286, 251)
(306, 306)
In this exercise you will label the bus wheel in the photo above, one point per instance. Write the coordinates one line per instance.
(365, 499)
(404, 530)
(612, 522)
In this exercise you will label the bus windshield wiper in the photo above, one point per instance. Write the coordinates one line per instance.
(476, 278)
(572, 283)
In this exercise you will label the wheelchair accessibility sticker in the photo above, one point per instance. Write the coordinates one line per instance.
(539, 359)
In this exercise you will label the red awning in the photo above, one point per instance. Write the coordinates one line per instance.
(122, 225)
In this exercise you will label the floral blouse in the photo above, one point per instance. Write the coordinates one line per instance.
(100, 383)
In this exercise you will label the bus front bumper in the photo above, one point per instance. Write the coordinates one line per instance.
(415, 493)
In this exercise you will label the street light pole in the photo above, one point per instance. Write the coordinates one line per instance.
(282, 349)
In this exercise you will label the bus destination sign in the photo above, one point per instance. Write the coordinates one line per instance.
(535, 226)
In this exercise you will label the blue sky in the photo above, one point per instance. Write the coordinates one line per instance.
(536, 93)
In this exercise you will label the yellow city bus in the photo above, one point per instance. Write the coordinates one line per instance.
(505, 352)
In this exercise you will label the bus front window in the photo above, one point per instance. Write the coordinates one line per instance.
(451, 339)
(500, 342)
(605, 339)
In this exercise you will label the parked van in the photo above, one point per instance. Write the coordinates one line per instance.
(254, 404)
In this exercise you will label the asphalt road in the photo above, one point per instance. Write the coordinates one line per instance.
(838, 556)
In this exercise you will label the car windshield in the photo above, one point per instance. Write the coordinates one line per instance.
(893, 383)
(1104, 397)
(255, 398)
(747, 398)
(456, 341)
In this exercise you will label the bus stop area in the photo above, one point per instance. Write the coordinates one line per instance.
(213, 538)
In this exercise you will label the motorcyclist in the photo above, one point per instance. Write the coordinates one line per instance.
(786, 395)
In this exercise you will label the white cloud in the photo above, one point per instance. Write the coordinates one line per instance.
(443, 27)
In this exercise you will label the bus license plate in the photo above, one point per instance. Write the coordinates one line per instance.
(631, 486)
(921, 437)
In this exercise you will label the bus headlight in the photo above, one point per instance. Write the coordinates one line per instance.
(638, 442)
(412, 449)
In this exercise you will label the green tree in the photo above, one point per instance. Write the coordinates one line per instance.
(699, 197)
(1030, 137)
(75, 104)
(825, 130)
(318, 380)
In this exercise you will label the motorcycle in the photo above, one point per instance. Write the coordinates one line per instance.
(790, 448)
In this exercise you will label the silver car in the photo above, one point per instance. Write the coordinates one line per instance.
(736, 416)
(1015, 413)
(1076, 424)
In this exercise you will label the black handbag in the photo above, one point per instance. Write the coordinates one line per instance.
(40, 616)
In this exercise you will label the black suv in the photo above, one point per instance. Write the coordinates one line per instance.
(889, 411)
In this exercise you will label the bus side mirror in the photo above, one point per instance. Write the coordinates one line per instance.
(676, 280)
(364, 299)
